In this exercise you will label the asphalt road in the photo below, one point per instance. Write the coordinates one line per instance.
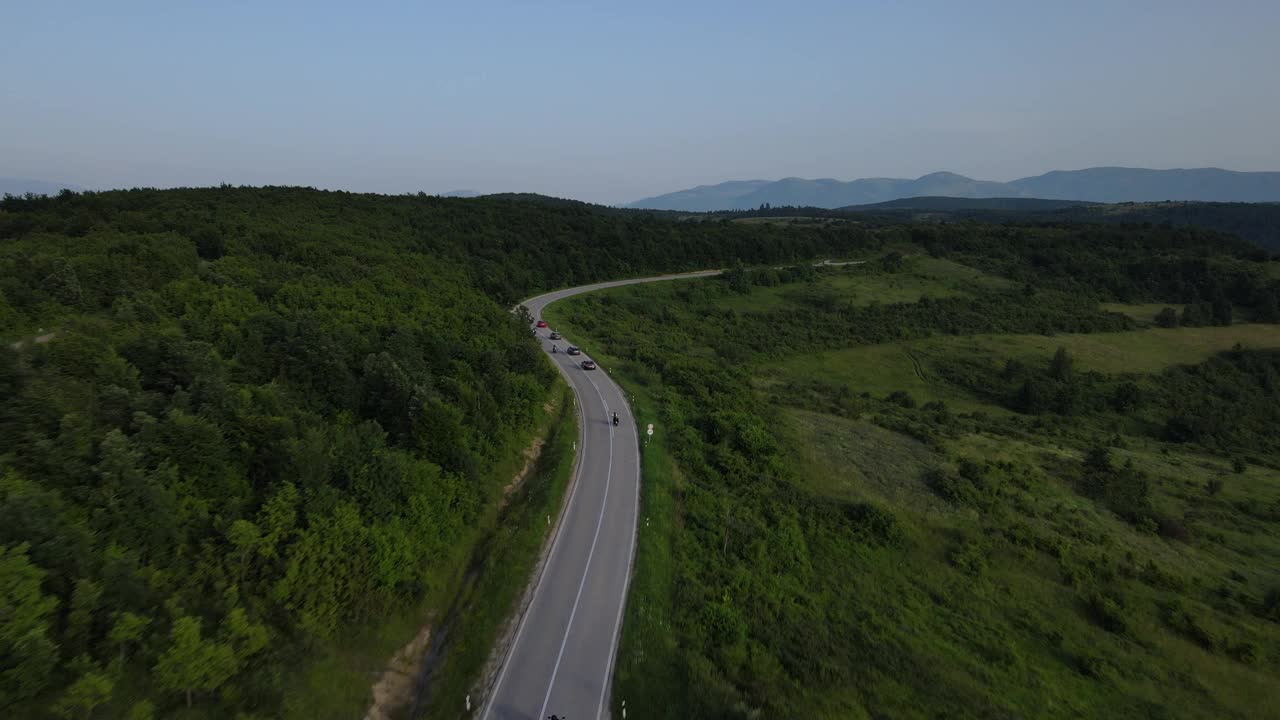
(561, 659)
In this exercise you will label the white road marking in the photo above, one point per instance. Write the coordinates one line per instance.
(617, 623)
(604, 502)
(555, 544)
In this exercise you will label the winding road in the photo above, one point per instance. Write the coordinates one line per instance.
(561, 658)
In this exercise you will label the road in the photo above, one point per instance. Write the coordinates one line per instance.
(561, 659)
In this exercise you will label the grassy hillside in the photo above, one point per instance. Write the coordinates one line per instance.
(902, 510)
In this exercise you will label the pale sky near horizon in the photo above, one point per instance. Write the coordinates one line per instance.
(611, 102)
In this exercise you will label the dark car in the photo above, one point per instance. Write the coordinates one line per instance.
(573, 350)
(588, 365)
(554, 335)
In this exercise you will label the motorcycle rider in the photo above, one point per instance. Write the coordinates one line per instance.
(615, 419)
(555, 349)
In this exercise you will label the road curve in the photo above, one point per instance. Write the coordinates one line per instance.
(561, 659)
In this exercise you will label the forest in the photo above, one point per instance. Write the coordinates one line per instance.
(235, 422)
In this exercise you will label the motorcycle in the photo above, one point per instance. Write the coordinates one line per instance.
(615, 419)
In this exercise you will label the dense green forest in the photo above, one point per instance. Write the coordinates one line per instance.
(236, 421)
(873, 495)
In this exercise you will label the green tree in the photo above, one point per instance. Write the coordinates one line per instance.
(92, 690)
(1062, 365)
(27, 655)
(193, 664)
(1194, 315)
(141, 710)
(125, 631)
(1167, 318)
(244, 537)
(77, 638)
(278, 520)
(1269, 306)
(1222, 311)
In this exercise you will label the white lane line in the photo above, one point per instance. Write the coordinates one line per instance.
(586, 570)
(537, 590)
(626, 582)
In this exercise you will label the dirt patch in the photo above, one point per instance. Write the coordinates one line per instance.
(38, 340)
(531, 454)
(396, 685)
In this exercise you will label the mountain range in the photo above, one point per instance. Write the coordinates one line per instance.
(1101, 184)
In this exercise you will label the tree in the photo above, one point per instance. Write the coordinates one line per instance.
(192, 663)
(1269, 306)
(90, 691)
(244, 537)
(1167, 318)
(1032, 398)
(127, 630)
(1221, 308)
(26, 654)
(1061, 366)
(141, 710)
(77, 637)
(209, 243)
(1194, 315)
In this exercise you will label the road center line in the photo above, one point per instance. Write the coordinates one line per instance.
(551, 554)
(586, 570)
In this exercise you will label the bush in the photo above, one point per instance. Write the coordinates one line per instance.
(1108, 611)
(901, 397)
(1167, 318)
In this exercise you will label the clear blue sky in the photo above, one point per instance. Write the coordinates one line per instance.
(610, 102)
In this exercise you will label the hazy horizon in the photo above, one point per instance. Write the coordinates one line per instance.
(610, 106)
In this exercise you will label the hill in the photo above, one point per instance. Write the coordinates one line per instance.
(1103, 184)
(1258, 223)
(963, 204)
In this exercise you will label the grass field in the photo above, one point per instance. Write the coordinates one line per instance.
(1018, 618)
(908, 366)
(854, 284)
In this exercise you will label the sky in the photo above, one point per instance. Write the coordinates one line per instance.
(611, 102)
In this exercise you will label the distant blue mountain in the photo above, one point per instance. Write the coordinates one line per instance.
(1103, 184)
(22, 186)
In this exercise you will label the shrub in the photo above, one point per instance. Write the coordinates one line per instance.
(901, 397)
(1107, 610)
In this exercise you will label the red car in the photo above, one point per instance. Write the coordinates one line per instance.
(542, 323)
